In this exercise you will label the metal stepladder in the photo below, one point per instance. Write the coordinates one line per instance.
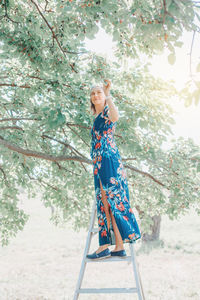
(138, 289)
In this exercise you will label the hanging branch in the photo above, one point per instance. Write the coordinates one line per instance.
(145, 174)
(6, 14)
(64, 158)
(54, 35)
(191, 53)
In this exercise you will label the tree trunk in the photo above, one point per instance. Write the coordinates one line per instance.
(155, 230)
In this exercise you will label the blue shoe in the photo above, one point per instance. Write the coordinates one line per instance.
(103, 254)
(120, 253)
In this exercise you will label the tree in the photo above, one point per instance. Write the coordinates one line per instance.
(45, 115)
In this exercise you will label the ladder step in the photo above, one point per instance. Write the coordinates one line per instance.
(107, 290)
(94, 230)
(109, 259)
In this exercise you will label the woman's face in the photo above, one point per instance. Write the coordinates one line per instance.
(97, 96)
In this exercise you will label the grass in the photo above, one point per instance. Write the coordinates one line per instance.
(43, 262)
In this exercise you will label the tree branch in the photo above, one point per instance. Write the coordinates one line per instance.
(17, 119)
(14, 85)
(54, 35)
(11, 127)
(40, 180)
(6, 14)
(191, 53)
(130, 158)
(41, 155)
(145, 174)
(63, 168)
(64, 158)
(4, 175)
(77, 135)
(67, 145)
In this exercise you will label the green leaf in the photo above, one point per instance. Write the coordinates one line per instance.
(152, 153)
(188, 101)
(171, 19)
(56, 91)
(197, 101)
(171, 58)
(68, 7)
(178, 44)
(198, 16)
(196, 96)
(197, 84)
(116, 35)
(142, 123)
(61, 119)
(198, 68)
(168, 3)
(90, 35)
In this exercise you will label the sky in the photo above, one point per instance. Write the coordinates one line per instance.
(187, 118)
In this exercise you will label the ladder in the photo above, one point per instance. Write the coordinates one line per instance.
(138, 289)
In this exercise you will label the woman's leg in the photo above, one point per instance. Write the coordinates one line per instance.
(119, 242)
(108, 213)
(106, 208)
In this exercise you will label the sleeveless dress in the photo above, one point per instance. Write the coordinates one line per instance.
(107, 167)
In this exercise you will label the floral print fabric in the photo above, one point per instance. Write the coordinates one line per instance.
(107, 167)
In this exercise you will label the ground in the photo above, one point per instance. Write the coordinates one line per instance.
(43, 262)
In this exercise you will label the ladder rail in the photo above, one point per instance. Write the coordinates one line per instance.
(138, 289)
(88, 243)
(136, 273)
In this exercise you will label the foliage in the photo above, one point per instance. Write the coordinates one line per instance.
(46, 73)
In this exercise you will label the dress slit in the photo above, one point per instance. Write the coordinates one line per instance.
(105, 235)
(109, 233)
(109, 171)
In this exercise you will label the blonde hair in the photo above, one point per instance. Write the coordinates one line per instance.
(92, 106)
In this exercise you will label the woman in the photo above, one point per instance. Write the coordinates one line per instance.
(111, 187)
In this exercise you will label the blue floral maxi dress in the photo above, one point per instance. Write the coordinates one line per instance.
(107, 167)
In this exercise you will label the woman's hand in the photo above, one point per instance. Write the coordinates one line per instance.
(106, 87)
